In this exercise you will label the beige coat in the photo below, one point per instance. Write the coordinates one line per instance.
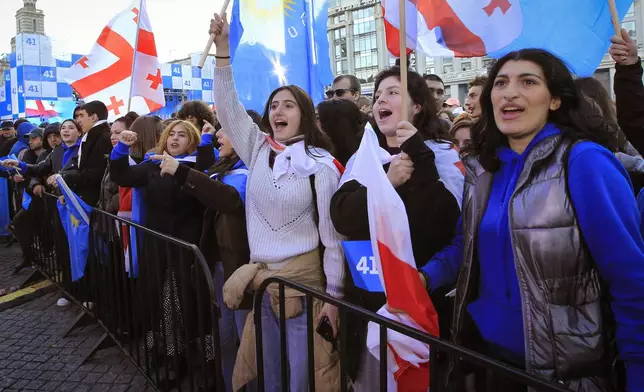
(304, 269)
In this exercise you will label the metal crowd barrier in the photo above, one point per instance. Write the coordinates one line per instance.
(437, 346)
(153, 295)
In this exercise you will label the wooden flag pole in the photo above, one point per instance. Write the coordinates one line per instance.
(403, 57)
(211, 40)
(615, 18)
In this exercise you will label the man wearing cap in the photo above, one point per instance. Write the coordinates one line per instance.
(7, 137)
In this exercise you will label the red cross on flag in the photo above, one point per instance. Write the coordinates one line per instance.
(453, 28)
(122, 70)
(38, 108)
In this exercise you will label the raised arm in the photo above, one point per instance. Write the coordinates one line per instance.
(243, 133)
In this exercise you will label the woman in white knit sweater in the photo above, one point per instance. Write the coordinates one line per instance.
(287, 168)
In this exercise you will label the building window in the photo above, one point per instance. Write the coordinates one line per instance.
(339, 33)
(447, 60)
(466, 65)
(340, 49)
(630, 28)
(448, 68)
(488, 62)
(34, 24)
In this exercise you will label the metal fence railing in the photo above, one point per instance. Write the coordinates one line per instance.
(152, 294)
(437, 346)
(154, 297)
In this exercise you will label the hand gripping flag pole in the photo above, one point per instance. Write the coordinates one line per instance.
(211, 40)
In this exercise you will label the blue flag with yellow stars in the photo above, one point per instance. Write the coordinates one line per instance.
(276, 43)
(74, 215)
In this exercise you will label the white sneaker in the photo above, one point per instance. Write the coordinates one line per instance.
(62, 302)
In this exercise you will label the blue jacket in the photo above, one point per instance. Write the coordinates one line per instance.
(609, 220)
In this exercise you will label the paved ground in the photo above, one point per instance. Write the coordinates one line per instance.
(35, 356)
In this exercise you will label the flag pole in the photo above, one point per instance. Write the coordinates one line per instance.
(211, 40)
(403, 56)
(615, 18)
(136, 47)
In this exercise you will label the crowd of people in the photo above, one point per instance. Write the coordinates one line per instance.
(540, 233)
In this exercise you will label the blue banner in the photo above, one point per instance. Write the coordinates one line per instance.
(74, 215)
(5, 216)
(363, 267)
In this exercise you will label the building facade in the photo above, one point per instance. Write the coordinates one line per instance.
(29, 20)
(357, 46)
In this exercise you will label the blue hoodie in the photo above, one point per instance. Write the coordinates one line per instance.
(607, 213)
(23, 140)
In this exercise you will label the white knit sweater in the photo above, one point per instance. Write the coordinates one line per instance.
(279, 214)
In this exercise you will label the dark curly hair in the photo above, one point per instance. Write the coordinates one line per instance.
(426, 121)
(577, 118)
(198, 110)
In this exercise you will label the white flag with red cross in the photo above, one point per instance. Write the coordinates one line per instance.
(123, 66)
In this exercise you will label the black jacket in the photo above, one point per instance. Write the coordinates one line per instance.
(86, 179)
(432, 212)
(169, 209)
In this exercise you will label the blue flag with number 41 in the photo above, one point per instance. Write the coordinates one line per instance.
(363, 267)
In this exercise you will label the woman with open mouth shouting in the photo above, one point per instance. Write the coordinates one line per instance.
(413, 156)
(291, 181)
(549, 259)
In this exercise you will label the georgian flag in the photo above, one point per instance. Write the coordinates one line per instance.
(407, 359)
(123, 62)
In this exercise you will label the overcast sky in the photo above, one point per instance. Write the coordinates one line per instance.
(180, 27)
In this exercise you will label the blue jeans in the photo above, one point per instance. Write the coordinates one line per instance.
(231, 325)
(296, 346)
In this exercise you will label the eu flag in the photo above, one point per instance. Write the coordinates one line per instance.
(74, 215)
(276, 43)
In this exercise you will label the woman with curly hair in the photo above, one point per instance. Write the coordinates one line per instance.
(550, 260)
(198, 113)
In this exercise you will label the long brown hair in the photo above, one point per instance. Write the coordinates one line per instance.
(148, 130)
(313, 136)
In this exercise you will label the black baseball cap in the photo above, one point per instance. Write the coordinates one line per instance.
(36, 132)
(6, 125)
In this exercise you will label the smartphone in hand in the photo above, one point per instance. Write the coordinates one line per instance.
(325, 329)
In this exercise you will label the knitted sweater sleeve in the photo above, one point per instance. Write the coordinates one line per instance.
(243, 133)
(326, 182)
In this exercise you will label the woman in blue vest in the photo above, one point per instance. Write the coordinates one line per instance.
(549, 261)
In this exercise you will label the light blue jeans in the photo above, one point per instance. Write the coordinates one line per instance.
(296, 349)
(231, 325)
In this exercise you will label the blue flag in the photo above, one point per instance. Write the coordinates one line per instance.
(74, 216)
(26, 200)
(276, 43)
(578, 34)
(5, 215)
(363, 267)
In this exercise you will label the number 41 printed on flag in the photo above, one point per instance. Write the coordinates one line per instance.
(362, 265)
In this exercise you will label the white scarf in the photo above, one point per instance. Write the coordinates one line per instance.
(450, 168)
(303, 163)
